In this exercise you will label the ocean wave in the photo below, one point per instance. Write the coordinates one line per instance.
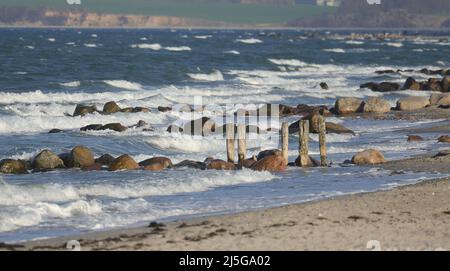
(232, 52)
(211, 77)
(334, 50)
(178, 49)
(288, 62)
(204, 37)
(124, 84)
(153, 46)
(249, 41)
(394, 44)
(90, 45)
(73, 84)
(354, 42)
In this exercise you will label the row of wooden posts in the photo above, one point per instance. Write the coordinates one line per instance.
(303, 142)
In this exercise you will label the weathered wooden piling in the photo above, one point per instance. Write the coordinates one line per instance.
(304, 143)
(322, 142)
(230, 134)
(242, 143)
(285, 141)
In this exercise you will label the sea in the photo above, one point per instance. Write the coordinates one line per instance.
(45, 73)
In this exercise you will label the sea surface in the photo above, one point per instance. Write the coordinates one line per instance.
(44, 73)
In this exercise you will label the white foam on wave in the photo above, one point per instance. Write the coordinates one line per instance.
(335, 50)
(90, 45)
(394, 44)
(249, 41)
(72, 84)
(51, 39)
(354, 42)
(288, 62)
(232, 52)
(153, 46)
(203, 37)
(124, 84)
(178, 49)
(211, 77)
(29, 47)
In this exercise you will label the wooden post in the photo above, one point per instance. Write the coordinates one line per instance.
(304, 142)
(242, 143)
(230, 142)
(322, 142)
(285, 141)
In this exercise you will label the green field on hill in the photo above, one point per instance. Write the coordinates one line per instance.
(225, 12)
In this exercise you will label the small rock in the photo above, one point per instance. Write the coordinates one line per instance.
(334, 128)
(445, 83)
(111, 108)
(191, 164)
(156, 163)
(311, 163)
(164, 108)
(368, 157)
(10, 166)
(124, 162)
(92, 127)
(141, 110)
(415, 138)
(82, 110)
(217, 164)
(127, 110)
(411, 84)
(266, 153)
(412, 103)
(376, 105)
(105, 160)
(345, 106)
(55, 131)
(47, 160)
(114, 126)
(81, 157)
(323, 85)
(440, 99)
(272, 163)
(442, 153)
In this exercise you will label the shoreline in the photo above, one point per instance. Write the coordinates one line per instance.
(408, 217)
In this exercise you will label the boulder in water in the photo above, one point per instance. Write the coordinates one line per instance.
(265, 153)
(412, 103)
(114, 126)
(411, 84)
(272, 163)
(81, 157)
(323, 85)
(345, 106)
(444, 139)
(10, 166)
(111, 108)
(376, 105)
(47, 160)
(55, 131)
(368, 157)
(415, 138)
(124, 162)
(141, 110)
(91, 127)
(191, 164)
(217, 164)
(82, 110)
(311, 163)
(105, 160)
(156, 163)
(164, 108)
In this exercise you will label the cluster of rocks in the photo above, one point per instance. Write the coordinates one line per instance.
(110, 126)
(82, 157)
(432, 84)
(417, 138)
(109, 108)
(442, 72)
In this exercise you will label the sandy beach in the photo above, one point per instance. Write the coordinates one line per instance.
(412, 217)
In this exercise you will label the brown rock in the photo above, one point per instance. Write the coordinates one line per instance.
(248, 163)
(348, 106)
(111, 107)
(141, 110)
(191, 164)
(272, 163)
(124, 162)
(94, 167)
(445, 83)
(47, 160)
(266, 153)
(105, 160)
(82, 110)
(412, 103)
(81, 157)
(10, 166)
(114, 126)
(415, 138)
(92, 127)
(164, 108)
(217, 164)
(411, 84)
(444, 139)
(334, 128)
(127, 110)
(311, 163)
(156, 163)
(440, 99)
(368, 157)
(376, 105)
